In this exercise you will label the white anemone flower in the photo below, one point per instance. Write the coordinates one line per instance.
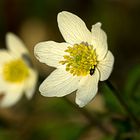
(81, 62)
(17, 75)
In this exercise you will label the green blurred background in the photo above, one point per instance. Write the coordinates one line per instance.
(59, 118)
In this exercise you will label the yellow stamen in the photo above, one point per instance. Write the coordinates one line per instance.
(81, 59)
(15, 71)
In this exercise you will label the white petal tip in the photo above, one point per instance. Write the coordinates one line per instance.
(10, 36)
(43, 94)
(81, 106)
(43, 91)
(98, 24)
(63, 12)
(47, 94)
(80, 103)
(37, 50)
(15, 44)
(36, 47)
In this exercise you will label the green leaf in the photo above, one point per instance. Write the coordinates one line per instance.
(133, 80)
(111, 101)
(6, 135)
(132, 89)
(108, 138)
(57, 130)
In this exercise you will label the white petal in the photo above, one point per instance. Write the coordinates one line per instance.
(88, 89)
(5, 56)
(11, 96)
(15, 45)
(30, 84)
(105, 66)
(59, 83)
(73, 28)
(99, 40)
(4, 85)
(50, 52)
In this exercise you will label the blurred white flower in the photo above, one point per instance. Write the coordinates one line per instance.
(81, 61)
(17, 76)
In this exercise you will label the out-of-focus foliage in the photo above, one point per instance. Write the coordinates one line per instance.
(132, 89)
(112, 103)
(57, 130)
(108, 138)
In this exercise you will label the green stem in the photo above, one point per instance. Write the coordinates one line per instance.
(123, 103)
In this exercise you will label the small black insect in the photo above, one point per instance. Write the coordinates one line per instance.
(92, 71)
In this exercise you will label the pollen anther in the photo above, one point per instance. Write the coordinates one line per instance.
(80, 60)
(15, 71)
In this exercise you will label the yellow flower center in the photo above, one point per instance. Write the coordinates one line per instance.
(15, 71)
(81, 60)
